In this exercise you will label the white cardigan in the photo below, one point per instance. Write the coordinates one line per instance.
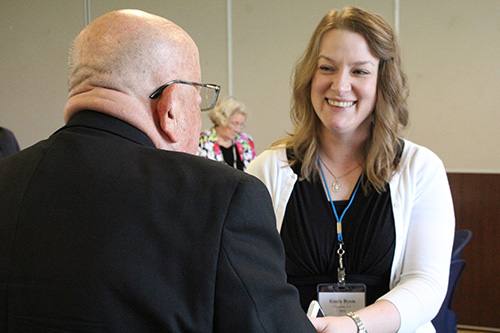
(424, 221)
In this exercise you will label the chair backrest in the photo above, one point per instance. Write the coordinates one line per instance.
(462, 237)
(8, 143)
(446, 320)
(456, 269)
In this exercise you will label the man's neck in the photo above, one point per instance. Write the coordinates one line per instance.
(116, 104)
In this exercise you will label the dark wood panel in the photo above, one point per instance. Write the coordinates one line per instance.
(476, 198)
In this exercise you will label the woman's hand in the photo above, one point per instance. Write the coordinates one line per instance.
(342, 324)
(380, 317)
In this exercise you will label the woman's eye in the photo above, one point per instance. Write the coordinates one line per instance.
(361, 72)
(325, 68)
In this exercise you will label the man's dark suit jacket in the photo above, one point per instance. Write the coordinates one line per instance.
(101, 231)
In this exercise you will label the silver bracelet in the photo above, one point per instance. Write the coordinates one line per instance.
(359, 323)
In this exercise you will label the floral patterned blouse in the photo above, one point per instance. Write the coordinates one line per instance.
(210, 149)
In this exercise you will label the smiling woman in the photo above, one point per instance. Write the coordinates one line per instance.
(344, 86)
(354, 201)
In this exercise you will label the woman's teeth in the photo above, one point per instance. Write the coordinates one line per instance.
(340, 104)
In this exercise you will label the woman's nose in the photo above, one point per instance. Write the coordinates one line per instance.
(341, 83)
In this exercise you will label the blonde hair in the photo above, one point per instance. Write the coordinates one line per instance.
(391, 111)
(224, 109)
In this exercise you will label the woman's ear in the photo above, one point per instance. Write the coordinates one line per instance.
(167, 117)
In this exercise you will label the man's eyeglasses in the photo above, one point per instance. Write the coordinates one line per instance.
(209, 93)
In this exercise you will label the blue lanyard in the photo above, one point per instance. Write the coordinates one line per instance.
(339, 220)
(340, 251)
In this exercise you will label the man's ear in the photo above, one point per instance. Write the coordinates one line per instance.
(167, 116)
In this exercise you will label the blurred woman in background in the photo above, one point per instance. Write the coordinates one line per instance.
(225, 142)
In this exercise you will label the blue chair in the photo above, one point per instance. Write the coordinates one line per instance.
(8, 143)
(462, 237)
(446, 319)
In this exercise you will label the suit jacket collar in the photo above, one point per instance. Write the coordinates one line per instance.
(104, 122)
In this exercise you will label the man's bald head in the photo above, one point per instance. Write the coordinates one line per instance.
(129, 51)
(122, 57)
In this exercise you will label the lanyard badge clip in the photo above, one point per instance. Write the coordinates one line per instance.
(341, 269)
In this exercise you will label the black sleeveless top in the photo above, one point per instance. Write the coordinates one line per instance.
(229, 156)
(309, 236)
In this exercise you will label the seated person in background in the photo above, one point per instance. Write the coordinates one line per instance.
(225, 142)
(8, 143)
(355, 202)
(108, 226)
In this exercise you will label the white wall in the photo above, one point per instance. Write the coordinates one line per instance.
(449, 47)
(452, 54)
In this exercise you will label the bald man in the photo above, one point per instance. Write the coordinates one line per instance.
(112, 225)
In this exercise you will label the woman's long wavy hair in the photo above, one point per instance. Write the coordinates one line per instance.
(390, 115)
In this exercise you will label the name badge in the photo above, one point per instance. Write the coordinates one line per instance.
(337, 300)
